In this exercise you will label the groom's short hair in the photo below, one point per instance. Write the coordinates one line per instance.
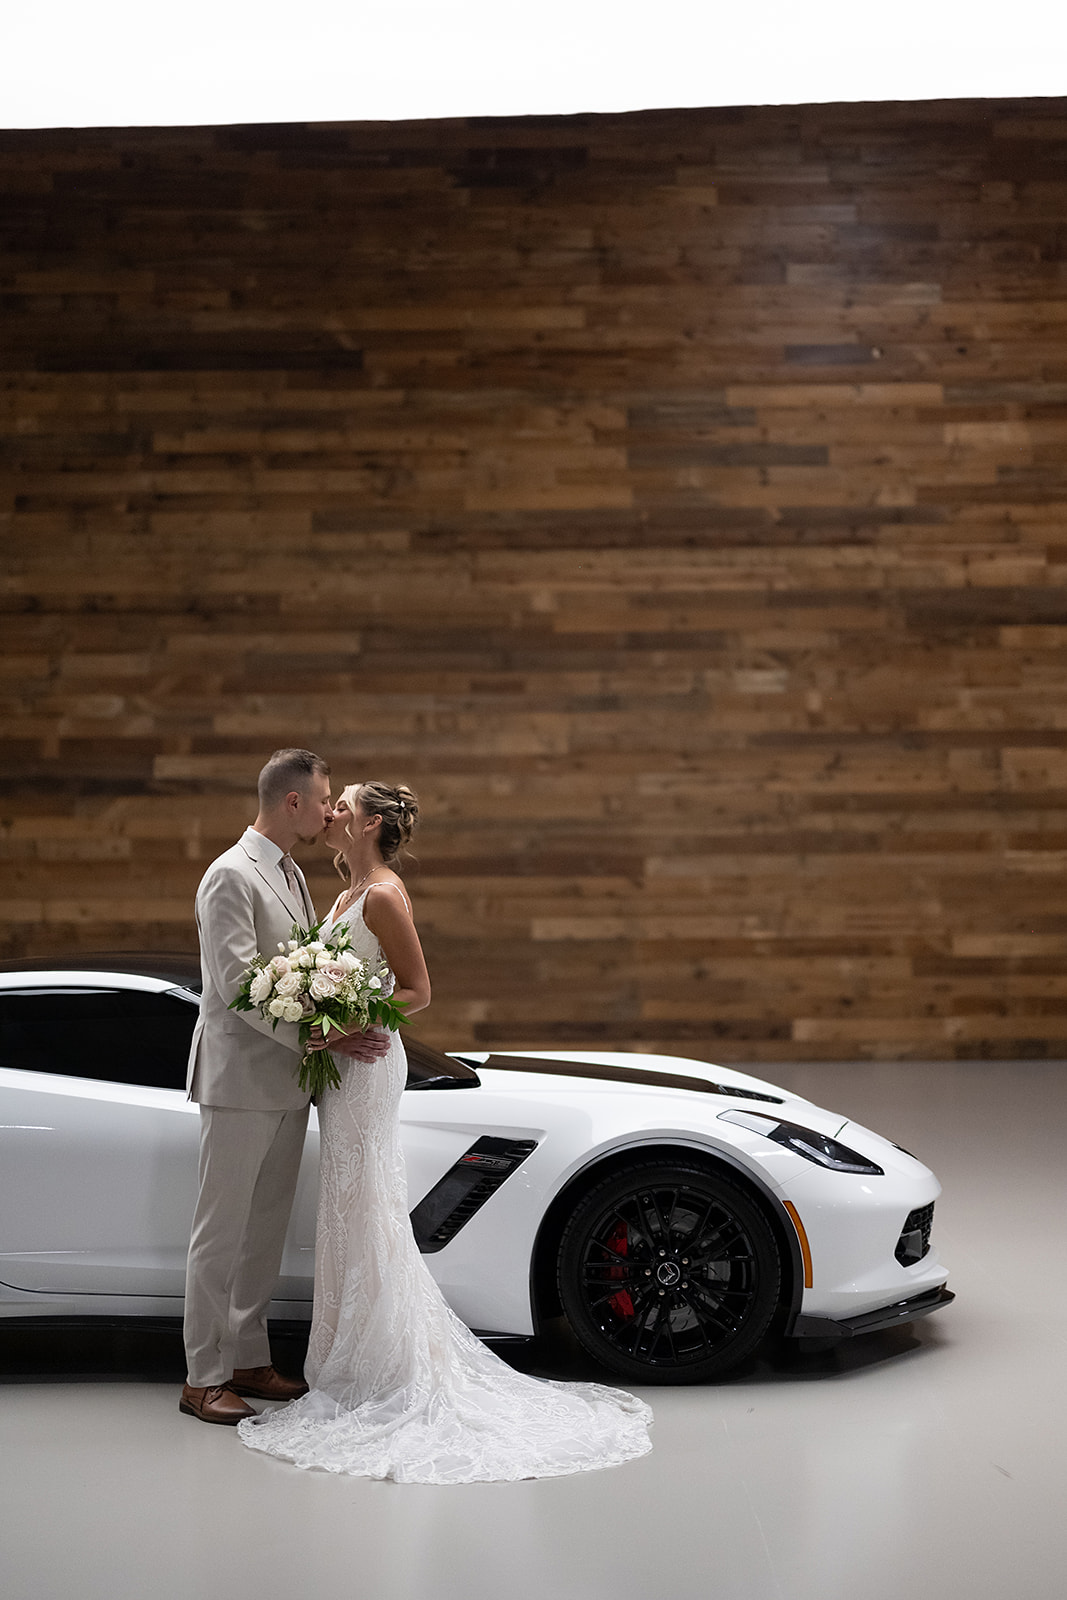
(288, 770)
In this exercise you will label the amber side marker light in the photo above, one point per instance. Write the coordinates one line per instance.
(805, 1247)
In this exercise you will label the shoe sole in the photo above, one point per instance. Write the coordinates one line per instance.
(262, 1394)
(221, 1422)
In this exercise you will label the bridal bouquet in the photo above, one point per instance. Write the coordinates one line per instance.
(319, 982)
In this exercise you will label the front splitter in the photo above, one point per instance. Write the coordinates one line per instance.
(891, 1316)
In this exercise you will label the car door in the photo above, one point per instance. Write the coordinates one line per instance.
(98, 1144)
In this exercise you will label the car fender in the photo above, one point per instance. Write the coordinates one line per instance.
(616, 1153)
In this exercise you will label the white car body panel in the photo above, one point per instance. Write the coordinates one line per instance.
(841, 1212)
(98, 1180)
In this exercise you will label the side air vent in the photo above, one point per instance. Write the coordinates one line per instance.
(914, 1239)
(464, 1189)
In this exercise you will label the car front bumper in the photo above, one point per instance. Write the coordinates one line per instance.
(919, 1305)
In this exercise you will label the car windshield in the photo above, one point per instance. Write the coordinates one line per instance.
(432, 1069)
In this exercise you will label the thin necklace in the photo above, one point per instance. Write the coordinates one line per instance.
(364, 878)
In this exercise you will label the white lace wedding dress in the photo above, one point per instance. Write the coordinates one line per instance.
(400, 1387)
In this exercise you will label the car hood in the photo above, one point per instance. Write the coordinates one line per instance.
(700, 1091)
(613, 1070)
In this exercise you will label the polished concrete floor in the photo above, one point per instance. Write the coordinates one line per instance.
(921, 1462)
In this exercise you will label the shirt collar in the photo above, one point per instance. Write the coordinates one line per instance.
(264, 849)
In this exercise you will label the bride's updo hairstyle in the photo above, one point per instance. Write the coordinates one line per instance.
(398, 808)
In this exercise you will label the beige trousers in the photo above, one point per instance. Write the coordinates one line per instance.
(249, 1163)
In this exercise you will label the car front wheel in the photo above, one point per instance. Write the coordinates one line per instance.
(668, 1272)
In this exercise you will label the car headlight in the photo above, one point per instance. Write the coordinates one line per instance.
(817, 1147)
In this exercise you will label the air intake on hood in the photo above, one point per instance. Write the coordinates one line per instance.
(654, 1077)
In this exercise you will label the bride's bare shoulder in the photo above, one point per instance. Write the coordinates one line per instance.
(385, 898)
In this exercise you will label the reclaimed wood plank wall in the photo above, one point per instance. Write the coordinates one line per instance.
(675, 499)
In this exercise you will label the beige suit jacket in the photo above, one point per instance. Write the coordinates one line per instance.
(243, 906)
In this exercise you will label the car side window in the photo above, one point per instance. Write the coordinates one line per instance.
(114, 1035)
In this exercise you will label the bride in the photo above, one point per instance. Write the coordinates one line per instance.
(399, 1387)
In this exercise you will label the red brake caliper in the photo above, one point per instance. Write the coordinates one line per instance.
(619, 1241)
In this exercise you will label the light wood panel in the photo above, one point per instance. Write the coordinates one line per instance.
(676, 500)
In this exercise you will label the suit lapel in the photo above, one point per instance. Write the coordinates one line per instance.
(274, 879)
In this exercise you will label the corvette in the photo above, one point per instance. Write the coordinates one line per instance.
(675, 1212)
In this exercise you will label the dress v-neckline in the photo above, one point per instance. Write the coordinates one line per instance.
(338, 916)
(383, 883)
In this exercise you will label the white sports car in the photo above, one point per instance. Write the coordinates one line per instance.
(675, 1212)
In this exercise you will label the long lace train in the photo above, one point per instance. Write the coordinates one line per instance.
(400, 1387)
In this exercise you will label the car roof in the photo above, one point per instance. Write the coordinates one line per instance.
(178, 967)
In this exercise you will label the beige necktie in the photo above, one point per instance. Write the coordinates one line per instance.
(289, 868)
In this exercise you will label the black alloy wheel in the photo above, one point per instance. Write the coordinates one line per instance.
(669, 1272)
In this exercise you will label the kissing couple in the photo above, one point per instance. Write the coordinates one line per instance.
(396, 1385)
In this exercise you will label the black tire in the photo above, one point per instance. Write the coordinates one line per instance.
(668, 1272)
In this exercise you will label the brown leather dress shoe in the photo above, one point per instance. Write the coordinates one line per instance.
(263, 1383)
(215, 1404)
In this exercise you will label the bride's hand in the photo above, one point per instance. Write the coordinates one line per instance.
(366, 1046)
(358, 1045)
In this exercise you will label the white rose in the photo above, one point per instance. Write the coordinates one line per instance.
(289, 984)
(300, 958)
(291, 945)
(324, 959)
(261, 987)
(350, 962)
(293, 1011)
(316, 945)
(323, 987)
(277, 1008)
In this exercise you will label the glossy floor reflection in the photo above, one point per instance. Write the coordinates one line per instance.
(922, 1461)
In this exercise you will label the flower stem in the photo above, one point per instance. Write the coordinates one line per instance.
(318, 1071)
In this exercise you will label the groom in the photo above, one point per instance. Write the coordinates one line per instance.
(253, 1114)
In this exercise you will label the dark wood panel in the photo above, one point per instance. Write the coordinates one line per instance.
(675, 499)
